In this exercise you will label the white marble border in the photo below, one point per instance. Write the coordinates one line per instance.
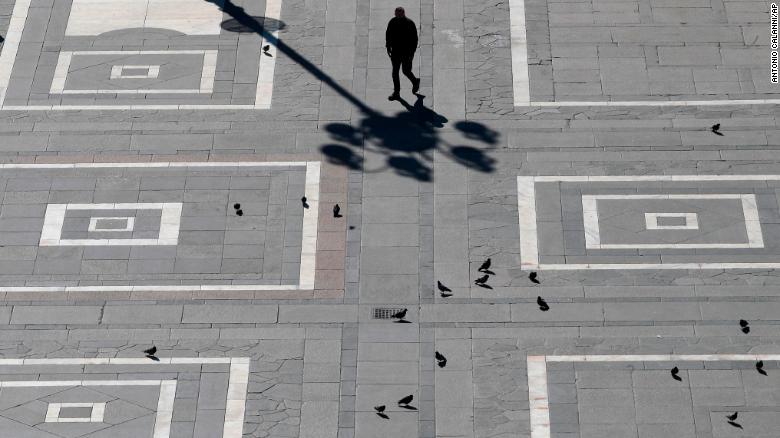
(265, 73)
(163, 416)
(749, 208)
(235, 406)
(118, 71)
(208, 72)
(521, 82)
(691, 221)
(308, 240)
(129, 224)
(97, 413)
(529, 244)
(538, 394)
(54, 219)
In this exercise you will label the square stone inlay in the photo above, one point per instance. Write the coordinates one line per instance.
(671, 221)
(111, 224)
(135, 71)
(75, 412)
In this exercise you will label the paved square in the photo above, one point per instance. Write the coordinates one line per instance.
(571, 223)
(147, 55)
(219, 227)
(634, 396)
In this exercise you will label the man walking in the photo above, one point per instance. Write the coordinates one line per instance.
(401, 43)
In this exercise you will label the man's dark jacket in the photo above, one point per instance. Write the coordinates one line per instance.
(401, 36)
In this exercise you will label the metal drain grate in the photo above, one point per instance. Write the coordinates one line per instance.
(386, 312)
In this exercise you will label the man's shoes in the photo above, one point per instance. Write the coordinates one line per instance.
(416, 86)
(394, 96)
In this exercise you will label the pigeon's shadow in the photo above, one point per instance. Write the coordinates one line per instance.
(408, 407)
(485, 286)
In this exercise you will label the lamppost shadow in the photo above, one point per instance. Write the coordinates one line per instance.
(408, 139)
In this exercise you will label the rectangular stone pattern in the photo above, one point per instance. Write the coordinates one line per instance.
(215, 245)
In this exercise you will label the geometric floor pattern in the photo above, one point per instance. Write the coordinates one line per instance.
(634, 395)
(101, 398)
(649, 222)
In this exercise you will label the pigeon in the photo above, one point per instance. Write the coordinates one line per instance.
(482, 280)
(737, 425)
(744, 326)
(716, 129)
(441, 360)
(303, 201)
(532, 277)
(484, 266)
(733, 416)
(150, 353)
(239, 212)
(336, 211)
(543, 306)
(760, 367)
(380, 410)
(444, 290)
(676, 370)
(236, 206)
(406, 400)
(266, 48)
(400, 314)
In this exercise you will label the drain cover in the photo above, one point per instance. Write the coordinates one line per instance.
(386, 312)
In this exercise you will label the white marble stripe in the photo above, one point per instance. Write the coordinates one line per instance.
(123, 107)
(654, 266)
(526, 209)
(123, 361)
(48, 383)
(670, 245)
(267, 64)
(722, 102)
(590, 215)
(235, 406)
(611, 178)
(154, 288)
(209, 71)
(538, 397)
(519, 52)
(11, 44)
(669, 196)
(53, 220)
(138, 52)
(310, 217)
(164, 416)
(752, 222)
(136, 91)
(661, 357)
(61, 72)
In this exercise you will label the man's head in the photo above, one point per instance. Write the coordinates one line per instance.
(399, 12)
